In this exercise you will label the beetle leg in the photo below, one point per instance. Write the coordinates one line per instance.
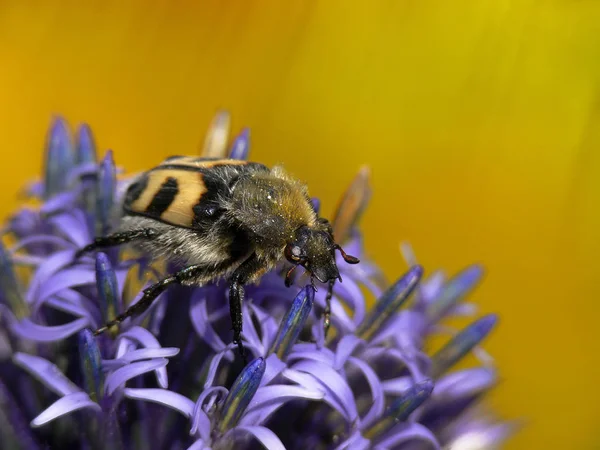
(247, 271)
(150, 294)
(117, 239)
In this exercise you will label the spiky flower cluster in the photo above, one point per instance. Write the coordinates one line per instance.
(171, 379)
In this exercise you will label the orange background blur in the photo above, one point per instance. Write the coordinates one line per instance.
(480, 120)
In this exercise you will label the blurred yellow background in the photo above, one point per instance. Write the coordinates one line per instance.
(480, 120)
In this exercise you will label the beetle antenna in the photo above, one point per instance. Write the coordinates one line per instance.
(348, 258)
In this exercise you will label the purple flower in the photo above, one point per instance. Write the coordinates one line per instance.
(172, 378)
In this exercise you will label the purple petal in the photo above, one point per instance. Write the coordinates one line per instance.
(203, 326)
(432, 287)
(199, 423)
(416, 362)
(72, 226)
(261, 415)
(277, 392)
(34, 189)
(60, 202)
(120, 376)
(407, 432)
(214, 365)
(77, 309)
(274, 367)
(316, 203)
(265, 318)
(64, 406)
(333, 383)
(318, 333)
(141, 336)
(28, 330)
(270, 398)
(355, 442)
(211, 394)
(40, 239)
(405, 330)
(396, 386)
(199, 445)
(241, 145)
(340, 317)
(370, 276)
(410, 325)
(345, 348)
(67, 278)
(27, 260)
(45, 372)
(267, 322)
(53, 263)
(350, 292)
(149, 353)
(312, 354)
(24, 223)
(124, 345)
(266, 437)
(250, 332)
(377, 394)
(482, 437)
(82, 171)
(110, 365)
(463, 310)
(164, 397)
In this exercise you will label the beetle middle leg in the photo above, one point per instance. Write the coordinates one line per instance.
(150, 294)
(246, 272)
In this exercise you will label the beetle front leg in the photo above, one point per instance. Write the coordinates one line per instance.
(151, 293)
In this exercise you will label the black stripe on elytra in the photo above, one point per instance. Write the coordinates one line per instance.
(209, 208)
(135, 189)
(163, 198)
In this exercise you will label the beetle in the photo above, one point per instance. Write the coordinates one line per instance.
(223, 218)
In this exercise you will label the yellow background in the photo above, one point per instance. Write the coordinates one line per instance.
(480, 120)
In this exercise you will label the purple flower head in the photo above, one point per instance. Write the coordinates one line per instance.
(172, 379)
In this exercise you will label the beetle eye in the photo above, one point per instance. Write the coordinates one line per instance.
(293, 253)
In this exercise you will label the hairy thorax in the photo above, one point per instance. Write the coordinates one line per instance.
(272, 208)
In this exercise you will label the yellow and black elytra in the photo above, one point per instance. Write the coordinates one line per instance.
(223, 218)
